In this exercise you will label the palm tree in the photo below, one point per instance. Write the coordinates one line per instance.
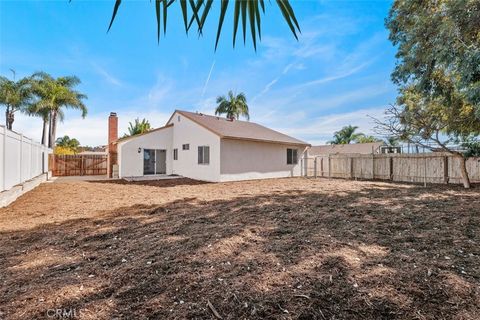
(392, 141)
(55, 94)
(233, 106)
(367, 139)
(250, 11)
(36, 110)
(67, 142)
(15, 95)
(346, 135)
(138, 127)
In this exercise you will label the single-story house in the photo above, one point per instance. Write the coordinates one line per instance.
(362, 148)
(210, 148)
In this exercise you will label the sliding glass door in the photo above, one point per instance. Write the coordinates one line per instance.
(154, 161)
(161, 161)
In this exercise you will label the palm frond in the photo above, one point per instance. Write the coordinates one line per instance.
(200, 10)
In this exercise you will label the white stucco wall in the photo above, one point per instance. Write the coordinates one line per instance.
(130, 161)
(188, 132)
(230, 159)
(244, 160)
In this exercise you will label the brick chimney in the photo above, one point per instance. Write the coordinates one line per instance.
(112, 137)
(112, 131)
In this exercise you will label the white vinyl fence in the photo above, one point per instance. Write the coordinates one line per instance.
(21, 159)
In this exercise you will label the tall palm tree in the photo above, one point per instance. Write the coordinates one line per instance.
(138, 127)
(346, 135)
(233, 106)
(35, 109)
(16, 96)
(196, 12)
(56, 94)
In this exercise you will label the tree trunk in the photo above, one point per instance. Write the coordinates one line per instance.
(464, 172)
(50, 131)
(44, 132)
(54, 128)
(9, 118)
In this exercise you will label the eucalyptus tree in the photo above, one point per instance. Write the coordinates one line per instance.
(56, 95)
(438, 74)
(247, 13)
(233, 106)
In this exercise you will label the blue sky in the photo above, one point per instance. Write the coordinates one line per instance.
(338, 72)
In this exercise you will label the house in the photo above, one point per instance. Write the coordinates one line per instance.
(209, 148)
(362, 148)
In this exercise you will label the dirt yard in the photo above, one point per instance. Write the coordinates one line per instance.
(273, 249)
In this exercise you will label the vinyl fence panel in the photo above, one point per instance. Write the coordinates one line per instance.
(21, 159)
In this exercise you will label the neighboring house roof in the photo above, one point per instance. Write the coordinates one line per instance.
(142, 134)
(237, 129)
(364, 148)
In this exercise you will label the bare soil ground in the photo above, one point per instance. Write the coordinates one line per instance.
(273, 249)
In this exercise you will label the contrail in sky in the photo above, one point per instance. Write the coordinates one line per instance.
(208, 78)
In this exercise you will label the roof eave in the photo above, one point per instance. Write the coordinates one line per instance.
(303, 144)
(121, 140)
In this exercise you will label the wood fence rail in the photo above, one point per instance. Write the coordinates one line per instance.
(423, 168)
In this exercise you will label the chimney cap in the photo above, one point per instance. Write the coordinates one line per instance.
(113, 114)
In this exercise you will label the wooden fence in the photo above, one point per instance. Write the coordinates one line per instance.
(422, 168)
(79, 165)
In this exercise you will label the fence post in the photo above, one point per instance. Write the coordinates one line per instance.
(329, 167)
(351, 168)
(445, 169)
(391, 167)
(21, 158)
(424, 168)
(321, 166)
(373, 166)
(4, 158)
(315, 166)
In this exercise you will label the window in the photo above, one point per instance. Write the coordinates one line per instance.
(203, 155)
(292, 156)
(175, 154)
(178, 118)
(186, 146)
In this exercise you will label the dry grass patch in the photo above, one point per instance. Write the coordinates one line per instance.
(275, 249)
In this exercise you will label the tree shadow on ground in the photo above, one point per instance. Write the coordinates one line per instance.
(378, 253)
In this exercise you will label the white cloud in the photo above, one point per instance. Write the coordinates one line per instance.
(90, 131)
(319, 130)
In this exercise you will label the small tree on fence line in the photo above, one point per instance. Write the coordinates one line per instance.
(427, 126)
(438, 74)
